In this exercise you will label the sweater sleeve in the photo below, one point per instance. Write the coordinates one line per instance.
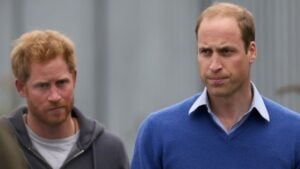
(297, 150)
(147, 152)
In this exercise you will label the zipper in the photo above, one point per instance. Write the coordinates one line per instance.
(29, 148)
(72, 158)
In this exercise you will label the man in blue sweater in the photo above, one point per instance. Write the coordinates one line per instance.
(229, 125)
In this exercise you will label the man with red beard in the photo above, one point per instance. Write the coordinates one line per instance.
(229, 125)
(50, 130)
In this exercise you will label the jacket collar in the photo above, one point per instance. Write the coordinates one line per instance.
(89, 129)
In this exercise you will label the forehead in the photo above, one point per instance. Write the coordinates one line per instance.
(219, 28)
(52, 67)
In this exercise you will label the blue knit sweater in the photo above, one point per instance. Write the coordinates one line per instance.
(172, 139)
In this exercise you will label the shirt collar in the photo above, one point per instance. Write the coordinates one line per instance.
(257, 103)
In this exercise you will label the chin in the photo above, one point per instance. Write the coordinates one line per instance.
(57, 121)
(218, 92)
(58, 118)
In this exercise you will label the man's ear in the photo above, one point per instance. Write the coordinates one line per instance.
(20, 86)
(252, 52)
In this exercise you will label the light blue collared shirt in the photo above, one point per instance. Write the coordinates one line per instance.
(257, 103)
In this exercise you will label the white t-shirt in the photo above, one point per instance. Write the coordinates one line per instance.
(54, 151)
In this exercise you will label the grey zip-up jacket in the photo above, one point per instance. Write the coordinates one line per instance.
(96, 148)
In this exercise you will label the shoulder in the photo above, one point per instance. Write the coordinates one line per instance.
(14, 119)
(163, 120)
(174, 111)
(286, 123)
(110, 148)
(276, 109)
(283, 117)
(92, 131)
(109, 140)
(107, 147)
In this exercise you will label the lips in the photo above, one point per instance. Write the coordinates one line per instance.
(216, 80)
(56, 108)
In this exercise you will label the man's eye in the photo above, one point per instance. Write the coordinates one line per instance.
(226, 52)
(205, 52)
(43, 85)
(61, 82)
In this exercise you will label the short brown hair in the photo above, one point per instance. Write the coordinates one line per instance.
(40, 46)
(244, 18)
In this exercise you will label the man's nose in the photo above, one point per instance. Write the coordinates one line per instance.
(54, 95)
(216, 64)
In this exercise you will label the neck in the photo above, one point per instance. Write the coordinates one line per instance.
(231, 109)
(67, 128)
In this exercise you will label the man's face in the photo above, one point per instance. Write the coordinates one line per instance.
(49, 91)
(224, 65)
